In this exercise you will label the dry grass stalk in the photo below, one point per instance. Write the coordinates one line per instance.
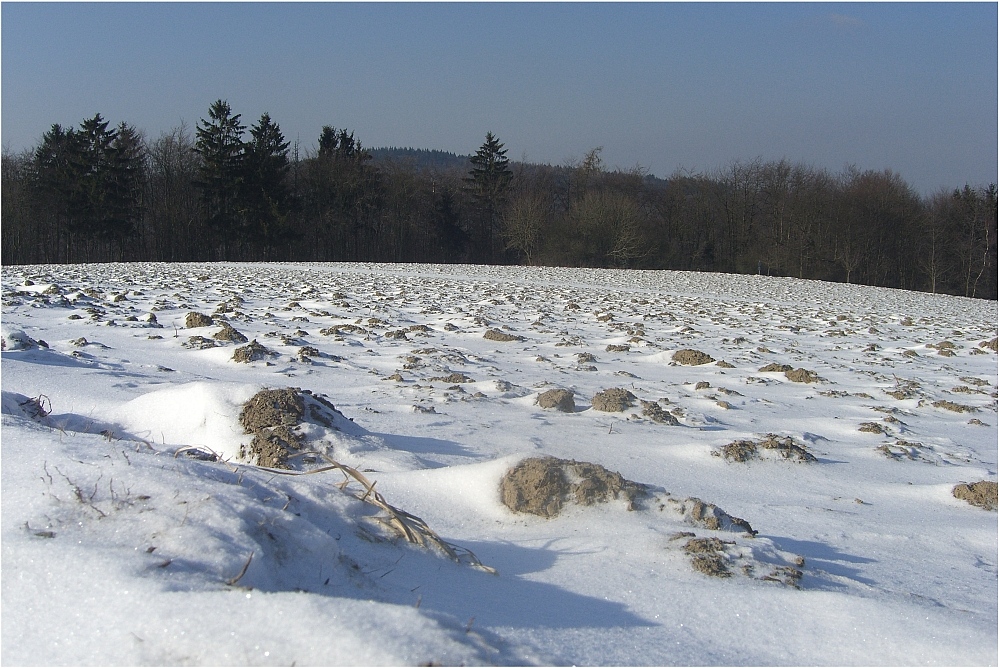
(407, 525)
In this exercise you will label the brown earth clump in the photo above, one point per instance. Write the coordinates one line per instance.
(271, 415)
(712, 517)
(801, 376)
(774, 367)
(274, 417)
(723, 364)
(543, 485)
(872, 428)
(252, 352)
(195, 319)
(982, 494)
(744, 450)
(613, 400)
(689, 357)
(498, 335)
(655, 412)
(453, 378)
(560, 399)
(952, 406)
(991, 344)
(229, 333)
(708, 556)
(199, 343)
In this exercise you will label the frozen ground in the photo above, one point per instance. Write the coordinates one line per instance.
(124, 543)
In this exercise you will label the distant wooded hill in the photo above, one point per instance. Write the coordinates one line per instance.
(420, 158)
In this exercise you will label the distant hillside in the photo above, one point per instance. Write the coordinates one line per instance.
(421, 158)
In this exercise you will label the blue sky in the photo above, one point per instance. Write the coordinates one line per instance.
(911, 87)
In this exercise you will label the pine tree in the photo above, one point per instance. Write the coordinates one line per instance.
(56, 173)
(264, 183)
(489, 180)
(92, 155)
(125, 185)
(220, 145)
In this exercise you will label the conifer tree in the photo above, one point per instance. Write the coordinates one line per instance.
(265, 189)
(220, 145)
(489, 180)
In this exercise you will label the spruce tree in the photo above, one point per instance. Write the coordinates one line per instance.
(489, 180)
(128, 172)
(265, 190)
(220, 145)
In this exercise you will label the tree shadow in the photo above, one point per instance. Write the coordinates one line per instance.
(827, 559)
(426, 449)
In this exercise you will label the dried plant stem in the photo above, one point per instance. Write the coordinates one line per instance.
(407, 525)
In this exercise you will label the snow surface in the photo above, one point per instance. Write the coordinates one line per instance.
(120, 548)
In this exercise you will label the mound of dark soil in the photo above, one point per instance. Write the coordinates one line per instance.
(199, 343)
(271, 415)
(774, 367)
(497, 335)
(252, 352)
(744, 451)
(689, 357)
(561, 400)
(982, 494)
(712, 517)
(613, 400)
(952, 406)
(654, 412)
(708, 556)
(276, 419)
(453, 378)
(801, 376)
(195, 319)
(228, 333)
(542, 485)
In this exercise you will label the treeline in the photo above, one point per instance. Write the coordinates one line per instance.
(228, 192)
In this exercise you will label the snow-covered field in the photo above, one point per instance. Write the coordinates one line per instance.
(126, 541)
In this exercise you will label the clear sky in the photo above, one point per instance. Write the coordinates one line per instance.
(665, 86)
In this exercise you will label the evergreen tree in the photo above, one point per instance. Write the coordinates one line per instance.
(220, 145)
(489, 180)
(56, 174)
(264, 183)
(126, 185)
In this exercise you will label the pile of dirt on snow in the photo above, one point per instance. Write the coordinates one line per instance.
(724, 558)
(229, 333)
(613, 400)
(654, 412)
(278, 419)
(744, 450)
(195, 319)
(252, 352)
(982, 494)
(801, 375)
(497, 335)
(560, 399)
(689, 357)
(453, 378)
(542, 485)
